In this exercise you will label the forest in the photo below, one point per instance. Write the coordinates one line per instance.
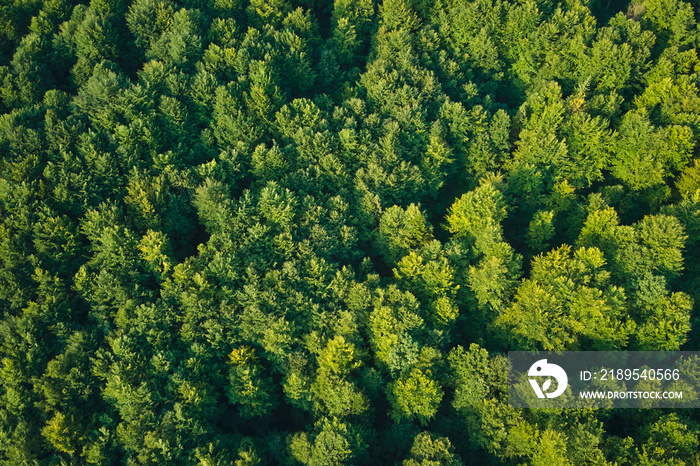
(307, 232)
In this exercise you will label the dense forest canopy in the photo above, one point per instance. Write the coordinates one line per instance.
(307, 232)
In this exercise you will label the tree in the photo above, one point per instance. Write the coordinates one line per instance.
(248, 388)
(95, 43)
(541, 230)
(272, 12)
(415, 396)
(61, 433)
(644, 156)
(590, 146)
(475, 217)
(400, 231)
(671, 21)
(333, 442)
(429, 449)
(671, 440)
(655, 245)
(666, 321)
(333, 386)
(394, 313)
(179, 45)
(644, 258)
(480, 383)
(568, 302)
(351, 22)
(148, 20)
(430, 278)
(486, 267)
(399, 14)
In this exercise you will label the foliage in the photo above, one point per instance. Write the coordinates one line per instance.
(307, 232)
